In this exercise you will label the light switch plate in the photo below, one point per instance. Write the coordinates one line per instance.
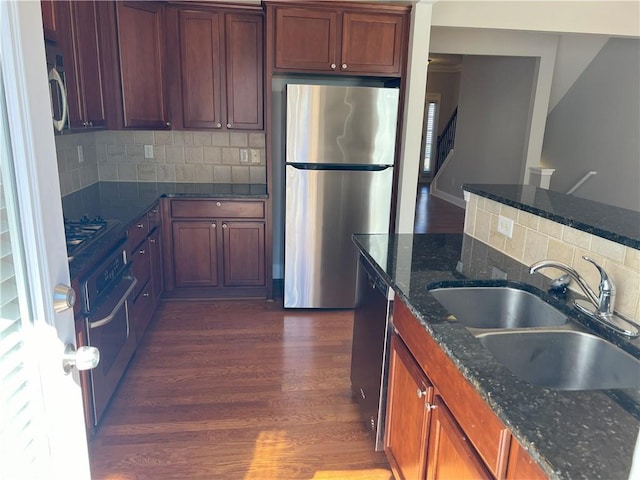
(80, 154)
(148, 151)
(244, 155)
(255, 155)
(505, 226)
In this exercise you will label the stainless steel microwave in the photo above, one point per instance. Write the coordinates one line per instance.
(57, 88)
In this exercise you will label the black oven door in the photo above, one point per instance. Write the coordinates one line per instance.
(109, 328)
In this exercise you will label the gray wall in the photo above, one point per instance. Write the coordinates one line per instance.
(596, 126)
(493, 122)
(447, 84)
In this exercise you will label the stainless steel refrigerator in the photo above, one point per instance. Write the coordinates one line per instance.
(340, 150)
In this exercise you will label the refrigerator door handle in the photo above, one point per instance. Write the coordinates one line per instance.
(339, 166)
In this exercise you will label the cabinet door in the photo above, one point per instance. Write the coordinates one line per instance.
(306, 39)
(156, 265)
(521, 465)
(195, 262)
(201, 68)
(243, 250)
(244, 84)
(49, 20)
(141, 46)
(450, 453)
(408, 396)
(87, 57)
(372, 43)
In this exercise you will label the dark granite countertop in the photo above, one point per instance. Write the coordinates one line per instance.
(613, 223)
(122, 203)
(571, 434)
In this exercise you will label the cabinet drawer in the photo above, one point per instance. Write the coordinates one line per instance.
(485, 431)
(216, 209)
(137, 233)
(141, 267)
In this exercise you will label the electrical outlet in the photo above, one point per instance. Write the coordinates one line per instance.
(255, 155)
(80, 154)
(148, 151)
(244, 155)
(505, 226)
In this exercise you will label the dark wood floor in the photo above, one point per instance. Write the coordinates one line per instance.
(245, 390)
(238, 390)
(434, 215)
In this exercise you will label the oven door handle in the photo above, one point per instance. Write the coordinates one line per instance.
(103, 321)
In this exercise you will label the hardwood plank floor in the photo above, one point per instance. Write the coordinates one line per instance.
(238, 390)
(434, 215)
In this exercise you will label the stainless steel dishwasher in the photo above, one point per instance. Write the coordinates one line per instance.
(372, 327)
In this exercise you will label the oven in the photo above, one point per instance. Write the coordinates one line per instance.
(107, 295)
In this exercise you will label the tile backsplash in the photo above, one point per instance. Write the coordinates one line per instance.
(535, 238)
(160, 156)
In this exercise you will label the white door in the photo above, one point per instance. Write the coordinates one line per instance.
(42, 433)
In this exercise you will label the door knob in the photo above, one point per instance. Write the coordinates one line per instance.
(84, 358)
(64, 297)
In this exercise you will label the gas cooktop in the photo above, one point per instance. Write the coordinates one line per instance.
(79, 233)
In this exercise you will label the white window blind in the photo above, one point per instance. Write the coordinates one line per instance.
(429, 133)
(20, 402)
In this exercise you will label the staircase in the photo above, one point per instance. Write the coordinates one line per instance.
(446, 140)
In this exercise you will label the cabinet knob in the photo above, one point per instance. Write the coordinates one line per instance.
(168, 124)
(152, 240)
(141, 252)
(333, 66)
(428, 406)
(213, 225)
(140, 225)
(343, 66)
(218, 204)
(228, 125)
(224, 225)
(422, 393)
(218, 125)
(146, 294)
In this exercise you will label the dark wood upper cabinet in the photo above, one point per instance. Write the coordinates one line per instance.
(372, 43)
(49, 20)
(356, 40)
(220, 80)
(78, 35)
(306, 39)
(245, 72)
(141, 48)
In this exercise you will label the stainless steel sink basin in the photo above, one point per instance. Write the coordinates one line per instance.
(498, 307)
(563, 360)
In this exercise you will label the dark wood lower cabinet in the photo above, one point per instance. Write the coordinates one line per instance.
(407, 415)
(215, 249)
(450, 453)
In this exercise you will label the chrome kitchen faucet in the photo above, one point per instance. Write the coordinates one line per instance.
(600, 306)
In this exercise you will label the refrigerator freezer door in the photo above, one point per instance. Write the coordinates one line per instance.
(323, 209)
(348, 125)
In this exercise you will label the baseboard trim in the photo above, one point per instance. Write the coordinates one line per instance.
(447, 197)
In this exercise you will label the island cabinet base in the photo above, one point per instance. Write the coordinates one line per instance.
(438, 426)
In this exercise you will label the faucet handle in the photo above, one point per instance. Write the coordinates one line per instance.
(606, 289)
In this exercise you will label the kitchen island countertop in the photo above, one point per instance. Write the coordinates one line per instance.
(571, 434)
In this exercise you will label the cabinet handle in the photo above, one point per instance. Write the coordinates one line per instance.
(224, 225)
(218, 204)
(140, 225)
(428, 406)
(362, 394)
(333, 66)
(168, 124)
(213, 225)
(344, 66)
(422, 393)
(152, 240)
(141, 252)
(218, 125)
(228, 125)
(146, 294)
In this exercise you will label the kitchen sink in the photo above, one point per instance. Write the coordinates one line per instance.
(563, 359)
(498, 307)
